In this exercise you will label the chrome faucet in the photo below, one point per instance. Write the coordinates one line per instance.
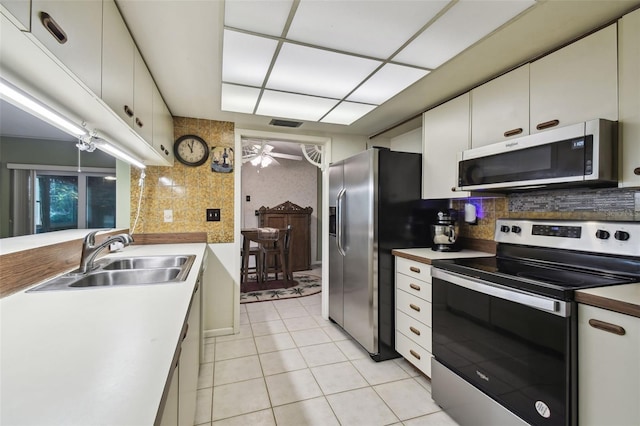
(90, 250)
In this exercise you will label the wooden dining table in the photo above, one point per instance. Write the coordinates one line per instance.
(253, 234)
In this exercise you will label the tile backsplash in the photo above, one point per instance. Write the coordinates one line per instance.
(188, 191)
(576, 204)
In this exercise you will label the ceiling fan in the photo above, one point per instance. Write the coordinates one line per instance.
(260, 152)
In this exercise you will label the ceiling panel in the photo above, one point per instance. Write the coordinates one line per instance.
(246, 58)
(262, 16)
(347, 112)
(289, 105)
(239, 98)
(374, 28)
(465, 23)
(318, 72)
(386, 83)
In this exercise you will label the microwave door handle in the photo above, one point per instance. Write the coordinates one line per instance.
(339, 221)
(537, 302)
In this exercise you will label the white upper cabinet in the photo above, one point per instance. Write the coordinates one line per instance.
(629, 74)
(72, 31)
(445, 133)
(500, 108)
(142, 99)
(117, 64)
(162, 127)
(576, 83)
(20, 11)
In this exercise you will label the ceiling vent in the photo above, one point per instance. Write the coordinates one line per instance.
(285, 123)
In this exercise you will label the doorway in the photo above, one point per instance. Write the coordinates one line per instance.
(291, 141)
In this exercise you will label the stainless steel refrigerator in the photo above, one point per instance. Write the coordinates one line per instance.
(374, 207)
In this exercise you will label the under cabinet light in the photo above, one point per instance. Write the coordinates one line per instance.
(118, 153)
(25, 102)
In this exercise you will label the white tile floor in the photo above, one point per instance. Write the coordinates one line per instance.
(288, 366)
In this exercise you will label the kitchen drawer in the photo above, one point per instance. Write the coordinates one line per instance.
(413, 269)
(414, 286)
(413, 306)
(414, 329)
(414, 353)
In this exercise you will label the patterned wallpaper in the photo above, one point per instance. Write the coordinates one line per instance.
(188, 191)
(577, 204)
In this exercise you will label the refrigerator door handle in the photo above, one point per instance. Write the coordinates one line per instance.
(340, 208)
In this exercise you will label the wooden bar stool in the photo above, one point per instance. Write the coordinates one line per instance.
(274, 258)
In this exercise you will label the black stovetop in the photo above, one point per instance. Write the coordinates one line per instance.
(541, 275)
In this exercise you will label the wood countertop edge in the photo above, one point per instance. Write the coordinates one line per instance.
(614, 305)
(420, 259)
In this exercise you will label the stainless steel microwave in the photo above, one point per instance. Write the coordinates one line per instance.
(583, 154)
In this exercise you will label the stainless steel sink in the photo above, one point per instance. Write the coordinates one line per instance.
(128, 271)
(146, 262)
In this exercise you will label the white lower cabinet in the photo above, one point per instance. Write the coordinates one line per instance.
(608, 367)
(413, 313)
(180, 401)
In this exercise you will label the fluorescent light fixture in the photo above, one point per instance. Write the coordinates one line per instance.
(239, 98)
(25, 102)
(246, 58)
(266, 17)
(301, 69)
(387, 82)
(290, 105)
(347, 112)
(118, 153)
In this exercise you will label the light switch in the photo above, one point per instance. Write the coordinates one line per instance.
(168, 215)
(213, 215)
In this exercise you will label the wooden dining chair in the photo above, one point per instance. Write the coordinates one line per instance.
(273, 254)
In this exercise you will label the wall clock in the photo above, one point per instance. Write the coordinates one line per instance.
(191, 150)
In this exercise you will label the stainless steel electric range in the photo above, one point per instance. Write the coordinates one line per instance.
(505, 328)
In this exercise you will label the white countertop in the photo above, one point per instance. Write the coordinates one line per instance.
(92, 356)
(426, 255)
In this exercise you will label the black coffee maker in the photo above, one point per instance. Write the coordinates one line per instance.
(444, 232)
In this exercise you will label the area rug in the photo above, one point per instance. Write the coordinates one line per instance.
(305, 285)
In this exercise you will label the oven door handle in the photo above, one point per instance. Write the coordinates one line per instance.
(541, 303)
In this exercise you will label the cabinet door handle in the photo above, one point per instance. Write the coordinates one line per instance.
(415, 287)
(513, 132)
(547, 124)
(52, 26)
(414, 330)
(636, 171)
(186, 331)
(607, 326)
(414, 353)
(414, 307)
(414, 269)
(178, 357)
(139, 122)
(454, 189)
(128, 111)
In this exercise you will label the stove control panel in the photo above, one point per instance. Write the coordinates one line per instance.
(616, 238)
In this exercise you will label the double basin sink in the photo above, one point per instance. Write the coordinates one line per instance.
(124, 271)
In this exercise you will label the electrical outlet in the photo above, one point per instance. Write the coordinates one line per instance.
(213, 215)
(168, 215)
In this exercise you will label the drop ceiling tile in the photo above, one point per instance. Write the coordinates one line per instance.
(289, 105)
(262, 16)
(239, 98)
(374, 28)
(318, 72)
(464, 24)
(386, 83)
(347, 112)
(246, 58)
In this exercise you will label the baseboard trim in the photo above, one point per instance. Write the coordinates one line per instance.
(218, 332)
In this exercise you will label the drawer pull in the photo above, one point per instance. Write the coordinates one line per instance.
(415, 287)
(52, 26)
(414, 269)
(128, 111)
(415, 354)
(547, 124)
(513, 132)
(414, 331)
(139, 122)
(414, 307)
(636, 171)
(606, 326)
